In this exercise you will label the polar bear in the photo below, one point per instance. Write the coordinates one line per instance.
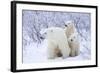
(72, 36)
(69, 28)
(57, 43)
(74, 45)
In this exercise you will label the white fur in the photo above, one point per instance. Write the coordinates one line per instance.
(57, 39)
(74, 45)
(72, 36)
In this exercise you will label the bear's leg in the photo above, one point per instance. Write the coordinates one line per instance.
(65, 49)
(58, 52)
(51, 54)
(65, 52)
(51, 51)
(73, 52)
(76, 52)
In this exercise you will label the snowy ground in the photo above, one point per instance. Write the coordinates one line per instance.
(34, 21)
(37, 52)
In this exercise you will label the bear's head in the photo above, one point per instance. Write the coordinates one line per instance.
(46, 32)
(69, 28)
(73, 38)
(43, 34)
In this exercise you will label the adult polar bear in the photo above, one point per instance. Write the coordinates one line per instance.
(57, 42)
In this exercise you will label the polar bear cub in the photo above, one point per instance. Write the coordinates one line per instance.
(74, 45)
(72, 36)
(57, 43)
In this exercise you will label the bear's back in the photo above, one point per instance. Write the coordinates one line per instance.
(56, 34)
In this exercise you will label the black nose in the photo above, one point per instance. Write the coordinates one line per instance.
(71, 39)
(41, 37)
(65, 25)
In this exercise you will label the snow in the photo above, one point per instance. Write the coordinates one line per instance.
(35, 48)
(38, 53)
(35, 53)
